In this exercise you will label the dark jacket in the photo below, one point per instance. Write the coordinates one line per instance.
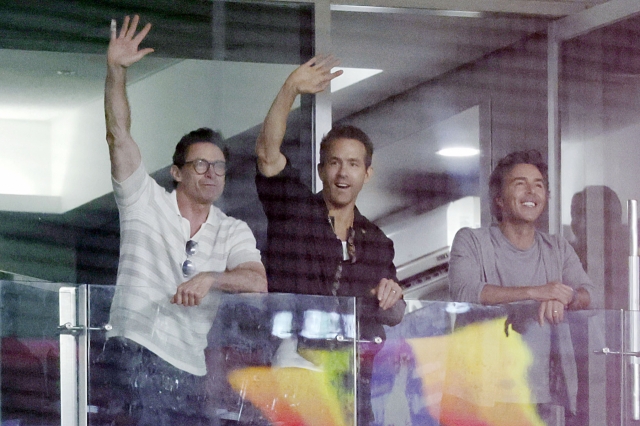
(303, 252)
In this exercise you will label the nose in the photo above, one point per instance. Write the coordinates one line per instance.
(529, 188)
(209, 173)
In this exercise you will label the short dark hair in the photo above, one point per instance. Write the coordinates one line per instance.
(505, 165)
(346, 132)
(203, 134)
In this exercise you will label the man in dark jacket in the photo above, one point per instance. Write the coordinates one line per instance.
(320, 244)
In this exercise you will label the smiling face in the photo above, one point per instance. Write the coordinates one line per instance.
(523, 196)
(205, 188)
(343, 173)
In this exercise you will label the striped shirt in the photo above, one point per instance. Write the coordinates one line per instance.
(153, 236)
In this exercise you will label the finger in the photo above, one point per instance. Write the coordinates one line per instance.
(310, 62)
(334, 63)
(125, 27)
(132, 28)
(142, 53)
(114, 29)
(142, 34)
(327, 62)
(177, 298)
(555, 313)
(542, 312)
(391, 300)
(560, 309)
(335, 74)
(190, 300)
(383, 289)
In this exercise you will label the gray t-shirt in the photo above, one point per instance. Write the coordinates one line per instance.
(485, 256)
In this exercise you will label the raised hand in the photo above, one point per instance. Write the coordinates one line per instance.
(314, 75)
(123, 48)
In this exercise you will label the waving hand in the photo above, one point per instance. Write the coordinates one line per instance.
(124, 47)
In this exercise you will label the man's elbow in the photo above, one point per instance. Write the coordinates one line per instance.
(261, 284)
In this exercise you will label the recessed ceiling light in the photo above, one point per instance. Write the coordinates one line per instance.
(458, 152)
(351, 76)
(65, 72)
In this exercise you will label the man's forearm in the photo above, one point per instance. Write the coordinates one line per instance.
(270, 159)
(496, 295)
(250, 278)
(116, 104)
(124, 153)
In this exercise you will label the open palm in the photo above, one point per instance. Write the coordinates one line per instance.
(123, 48)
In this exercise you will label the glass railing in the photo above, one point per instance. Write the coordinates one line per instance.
(30, 353)
(275, 359)
(270, 359)
(460, 364)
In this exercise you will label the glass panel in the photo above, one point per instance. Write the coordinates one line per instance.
(444, 79)
(58, 218)
(629, 404)
(599, 110)
(455, 363)
(270, 359)
(30, 353)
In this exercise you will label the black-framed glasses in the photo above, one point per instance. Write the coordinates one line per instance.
(202, 166)
(188, 267)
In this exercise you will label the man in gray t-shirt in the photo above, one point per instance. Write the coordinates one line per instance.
(512, 261)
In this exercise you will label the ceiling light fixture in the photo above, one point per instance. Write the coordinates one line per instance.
(351, 76)
(458, 152)
(407, 10)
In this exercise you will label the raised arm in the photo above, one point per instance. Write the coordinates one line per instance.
(311, 77)
(123, 51)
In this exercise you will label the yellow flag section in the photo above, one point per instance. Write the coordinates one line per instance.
(476, 376)
(291, 396)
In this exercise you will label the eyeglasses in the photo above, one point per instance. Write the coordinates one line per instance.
(202, 166)
(188, 267)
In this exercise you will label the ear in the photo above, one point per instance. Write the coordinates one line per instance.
(368, 174)
(176, 174)
(499, 202)
(320, 169)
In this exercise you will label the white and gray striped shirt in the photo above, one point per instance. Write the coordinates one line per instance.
(153, 236)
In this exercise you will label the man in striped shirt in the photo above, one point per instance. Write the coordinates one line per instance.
(178, 252)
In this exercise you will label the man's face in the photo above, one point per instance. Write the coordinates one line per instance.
(344, 172)
(201, 188)
(524, 195)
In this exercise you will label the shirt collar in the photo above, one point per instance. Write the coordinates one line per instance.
(212, 217)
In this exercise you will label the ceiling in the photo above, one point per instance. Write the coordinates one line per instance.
(52, 51)
(367, 38)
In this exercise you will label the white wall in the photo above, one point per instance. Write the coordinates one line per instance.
(611, 159)
(65, 161)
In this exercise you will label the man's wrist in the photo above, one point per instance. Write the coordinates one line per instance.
(574, 299)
